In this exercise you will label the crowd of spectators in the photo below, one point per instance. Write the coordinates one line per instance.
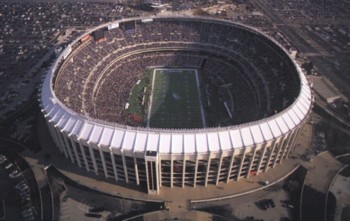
(96, 78)
(231, 82)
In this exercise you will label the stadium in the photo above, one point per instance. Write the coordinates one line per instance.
(175, 101)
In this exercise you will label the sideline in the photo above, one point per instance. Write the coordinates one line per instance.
(200, 100)
(151, 99)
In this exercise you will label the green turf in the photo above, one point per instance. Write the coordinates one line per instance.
(137, 93)
(175, 100)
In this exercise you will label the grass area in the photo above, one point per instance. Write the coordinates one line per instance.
(138, 99)
(175, 100)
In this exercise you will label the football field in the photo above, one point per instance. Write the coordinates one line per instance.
(175, 100)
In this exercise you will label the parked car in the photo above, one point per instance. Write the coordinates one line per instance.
(20, 183)
(29, 218)
(29, 214)
(8, 166)
(3, 159)
(14, 174)
(24, 194)
(21, 186)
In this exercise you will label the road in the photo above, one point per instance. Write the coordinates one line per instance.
(315, 52)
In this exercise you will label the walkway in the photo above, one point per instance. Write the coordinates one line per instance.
(321, 171)
(341, 191)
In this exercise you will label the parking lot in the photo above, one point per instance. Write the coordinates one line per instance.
(18, 194)
(273, 203)
(11, 208)
(76, 202)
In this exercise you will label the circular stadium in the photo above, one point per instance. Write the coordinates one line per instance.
(175, 101)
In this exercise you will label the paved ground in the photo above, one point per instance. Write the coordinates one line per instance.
(340, 187)
(76, 203)
(11, 205)
(185, 216)
(321, 171)
(14, 201)
(322, 167)
(247, 205)
(178, 200)
(251, 209)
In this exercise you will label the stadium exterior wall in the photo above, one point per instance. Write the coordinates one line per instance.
(153, 158)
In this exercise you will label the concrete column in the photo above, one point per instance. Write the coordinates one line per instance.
(154, 171)
(61, 143)
(69, 149)
(84, 157)
(136, 171)
(241, 165)
(230, 167)
(219, 169)
(75, 151)
(171, 172)
(147, 175)
(251, 161)
(157, 177)
(54, 136)
(262, 157)
(278, 152)
(273, 145)
(286, 146)
(114, 166)
(93, 158)
(183, 171)
(207, 173)
(160, 171)
(195, 172)
(125, 167)
(294, 139)
(103, 162)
